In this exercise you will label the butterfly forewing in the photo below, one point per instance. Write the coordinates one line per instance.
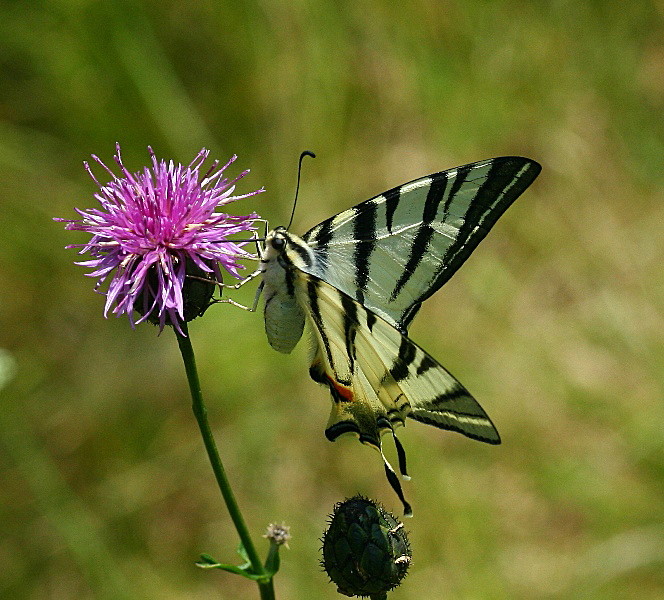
(393, 251)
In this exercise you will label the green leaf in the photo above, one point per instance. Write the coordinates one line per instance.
(207, 562)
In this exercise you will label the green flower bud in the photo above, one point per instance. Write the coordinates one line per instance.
(365, 549)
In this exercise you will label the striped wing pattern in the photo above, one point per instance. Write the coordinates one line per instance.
(395, 250)
(377, 376)
(359, 277)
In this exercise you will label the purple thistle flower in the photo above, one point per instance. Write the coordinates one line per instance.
(156, 226)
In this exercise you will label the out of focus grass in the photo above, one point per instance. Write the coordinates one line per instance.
(555, 323)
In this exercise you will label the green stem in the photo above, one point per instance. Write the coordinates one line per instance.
(200, 411)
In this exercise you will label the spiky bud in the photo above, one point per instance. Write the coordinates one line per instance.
(365, 549)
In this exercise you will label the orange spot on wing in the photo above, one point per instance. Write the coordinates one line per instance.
(343, 393)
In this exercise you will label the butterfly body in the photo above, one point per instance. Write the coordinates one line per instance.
(284, 316)
(358, 279)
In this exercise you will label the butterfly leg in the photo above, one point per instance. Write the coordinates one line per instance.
(267, 228)
(238, 285)
(235, 286)
(251, 308)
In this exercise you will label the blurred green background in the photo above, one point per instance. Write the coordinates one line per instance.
(555, 323)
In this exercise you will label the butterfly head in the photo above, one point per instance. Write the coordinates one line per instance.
(275, 242)
(286, 248)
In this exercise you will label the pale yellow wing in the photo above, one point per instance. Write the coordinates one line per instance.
(377, 376)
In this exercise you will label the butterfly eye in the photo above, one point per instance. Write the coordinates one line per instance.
(278, 243)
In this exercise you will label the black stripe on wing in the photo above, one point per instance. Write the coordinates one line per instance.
(426, 364)
(459, 180)
(424, 233)
(323, 237)
(302, 251)
(364, 231)
(350, 328)
(450, 426)
(371, 320)
(312, 294)
(509, 176)
(391, 203)
(400, 370)
(456, 410)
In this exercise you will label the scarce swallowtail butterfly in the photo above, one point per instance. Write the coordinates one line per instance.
(358, 279)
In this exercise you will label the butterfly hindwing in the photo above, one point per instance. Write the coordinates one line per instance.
(377, 376)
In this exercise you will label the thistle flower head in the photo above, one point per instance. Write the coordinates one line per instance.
(156, 226)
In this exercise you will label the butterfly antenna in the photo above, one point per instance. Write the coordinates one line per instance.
(297, 188)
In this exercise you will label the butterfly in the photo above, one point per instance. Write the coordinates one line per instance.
(358, 279)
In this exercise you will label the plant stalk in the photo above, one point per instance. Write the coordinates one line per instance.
(200, 412)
